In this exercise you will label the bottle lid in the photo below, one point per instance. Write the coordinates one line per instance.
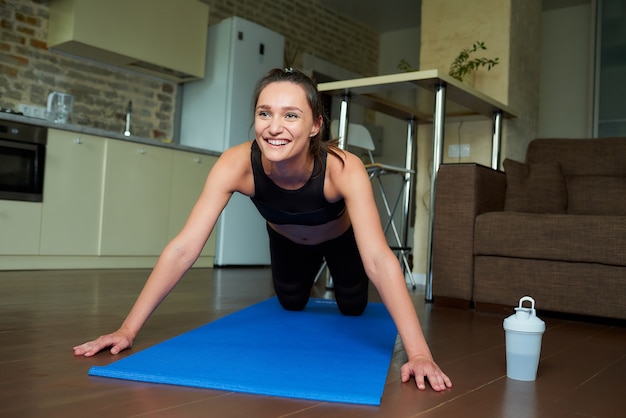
(524, 319)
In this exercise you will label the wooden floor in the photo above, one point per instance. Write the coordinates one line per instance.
(43, 314)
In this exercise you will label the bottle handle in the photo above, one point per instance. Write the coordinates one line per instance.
(529, 299)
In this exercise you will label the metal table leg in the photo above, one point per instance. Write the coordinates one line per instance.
(496, 140)
(343, 120)
(438, 133)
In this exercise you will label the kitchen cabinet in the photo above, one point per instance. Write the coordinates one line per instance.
(189, 172)
(19, 227)
(135, 209)
(163, 38)
(108, 203)
(72, 202)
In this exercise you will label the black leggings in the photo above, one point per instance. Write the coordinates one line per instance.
(294, 267)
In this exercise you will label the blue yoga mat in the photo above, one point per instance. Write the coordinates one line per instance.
(315, 354)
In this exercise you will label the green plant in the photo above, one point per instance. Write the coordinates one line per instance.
(404, 65)
(463, 65)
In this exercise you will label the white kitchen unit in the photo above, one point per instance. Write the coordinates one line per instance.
(162, 38)
(135, 209)
(72, 201)
(217, 114)
(20, 224)
(108, 203)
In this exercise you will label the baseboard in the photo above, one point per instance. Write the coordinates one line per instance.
(86, 262)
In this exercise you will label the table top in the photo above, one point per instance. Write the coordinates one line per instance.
(412, 95)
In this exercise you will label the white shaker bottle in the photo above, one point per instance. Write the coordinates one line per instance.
(523, 332)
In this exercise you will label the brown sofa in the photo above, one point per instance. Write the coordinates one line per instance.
(553, 228)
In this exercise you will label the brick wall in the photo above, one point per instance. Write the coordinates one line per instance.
(308, 27)
(28, 71)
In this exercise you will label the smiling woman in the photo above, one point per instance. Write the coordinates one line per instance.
(284, 131)
(319, 205)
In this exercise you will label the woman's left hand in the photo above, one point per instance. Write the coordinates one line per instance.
(421, 367)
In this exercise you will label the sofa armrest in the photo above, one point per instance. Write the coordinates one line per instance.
(462, 192)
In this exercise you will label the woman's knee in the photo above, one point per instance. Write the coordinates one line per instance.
(292, 296)
(352, 301)
(353, 307)
(293, 302)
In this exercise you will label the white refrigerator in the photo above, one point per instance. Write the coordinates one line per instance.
(217, 113)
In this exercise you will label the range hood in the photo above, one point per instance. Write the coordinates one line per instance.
(161, 38)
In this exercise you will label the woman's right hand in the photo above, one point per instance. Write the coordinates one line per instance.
(118, 341)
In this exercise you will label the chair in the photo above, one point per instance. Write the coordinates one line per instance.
(360, 137)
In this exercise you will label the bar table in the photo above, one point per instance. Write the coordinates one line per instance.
(435, 98)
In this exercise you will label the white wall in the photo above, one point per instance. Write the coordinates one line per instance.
(394, 46)
(567, 60)
(397, 45)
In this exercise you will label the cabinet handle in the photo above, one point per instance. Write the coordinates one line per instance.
(78, 141)
(197, 160)
(141, 151)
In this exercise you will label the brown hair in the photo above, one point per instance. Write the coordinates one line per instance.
(319, 143)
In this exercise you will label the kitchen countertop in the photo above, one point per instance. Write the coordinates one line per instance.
(101, 132)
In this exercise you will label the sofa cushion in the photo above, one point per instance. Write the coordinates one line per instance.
(534, 188)
(578, 288)
(562, 237)
(581, 157)
(596, 195)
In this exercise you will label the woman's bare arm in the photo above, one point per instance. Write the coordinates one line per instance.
(227, 176)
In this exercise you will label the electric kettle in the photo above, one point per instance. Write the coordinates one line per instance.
(60, 106)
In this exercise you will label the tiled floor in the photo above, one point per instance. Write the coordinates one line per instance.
(43, 314)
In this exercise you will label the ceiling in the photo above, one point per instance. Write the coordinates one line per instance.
(390, 15)
(382, 16)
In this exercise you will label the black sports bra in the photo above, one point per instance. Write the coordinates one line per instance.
(304, 206)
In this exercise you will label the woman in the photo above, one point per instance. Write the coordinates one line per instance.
(318, 202)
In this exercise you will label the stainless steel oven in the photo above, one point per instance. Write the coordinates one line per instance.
(22, 158)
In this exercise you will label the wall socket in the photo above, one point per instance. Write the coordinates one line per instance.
(456, 150)
(33, 111)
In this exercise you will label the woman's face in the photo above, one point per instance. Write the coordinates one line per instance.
(284, 122)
